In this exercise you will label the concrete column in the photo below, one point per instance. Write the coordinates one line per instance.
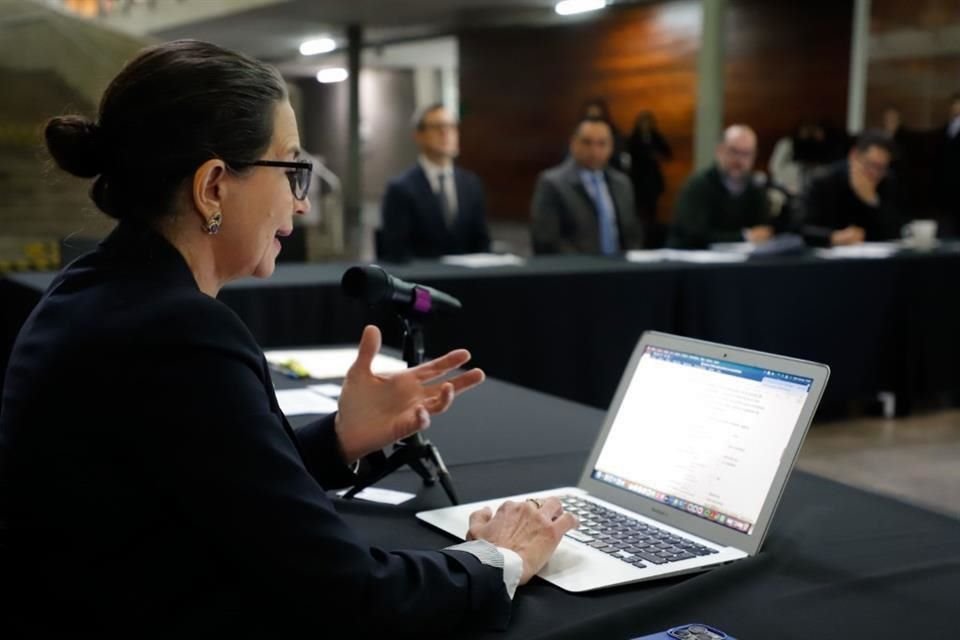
(709, 115)
(353, 195)
(859, 60)
(450, 90)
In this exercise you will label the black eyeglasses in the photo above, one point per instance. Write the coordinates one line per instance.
(299, 174)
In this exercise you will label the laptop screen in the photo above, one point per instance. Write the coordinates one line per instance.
(702, 435)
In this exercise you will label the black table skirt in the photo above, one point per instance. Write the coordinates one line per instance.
(567, 325)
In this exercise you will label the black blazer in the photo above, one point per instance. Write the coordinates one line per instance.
(151, 485)
(831, 204)
(413, 225)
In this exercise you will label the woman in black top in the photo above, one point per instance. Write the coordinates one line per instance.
(149, 483)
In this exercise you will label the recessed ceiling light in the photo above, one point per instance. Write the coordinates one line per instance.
(318, 45)
(332, 74)
(570, 7)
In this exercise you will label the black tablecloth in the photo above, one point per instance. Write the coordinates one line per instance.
(567, 325)
(837, 563)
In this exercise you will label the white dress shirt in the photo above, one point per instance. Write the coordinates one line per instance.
(953, 128)
(433, 172)
(494, 556)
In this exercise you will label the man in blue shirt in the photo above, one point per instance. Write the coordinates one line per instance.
(584, 205)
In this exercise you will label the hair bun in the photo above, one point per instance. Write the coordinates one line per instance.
(76, 145)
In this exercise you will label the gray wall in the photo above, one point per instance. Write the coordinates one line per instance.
(386, 103)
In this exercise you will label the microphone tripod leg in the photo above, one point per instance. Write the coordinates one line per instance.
(446, 480)
(391, 464)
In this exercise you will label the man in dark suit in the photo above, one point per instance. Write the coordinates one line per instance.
(855, 200)
(948, 168)
(583, 205)
(722, 203)
(434, 208)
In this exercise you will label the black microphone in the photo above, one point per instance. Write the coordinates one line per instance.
(374, 285)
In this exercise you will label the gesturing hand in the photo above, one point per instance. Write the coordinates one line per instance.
(379, 409)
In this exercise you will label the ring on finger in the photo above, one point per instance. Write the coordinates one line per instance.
(536, 502)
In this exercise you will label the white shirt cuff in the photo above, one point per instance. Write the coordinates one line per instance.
(493, 556)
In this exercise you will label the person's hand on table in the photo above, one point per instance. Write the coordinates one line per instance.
(759, 234)
(376, 410)
(847, 236)
(531, 530)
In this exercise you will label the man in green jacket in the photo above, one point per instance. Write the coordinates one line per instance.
(721, 203)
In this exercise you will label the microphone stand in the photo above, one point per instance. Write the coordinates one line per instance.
(416, 451)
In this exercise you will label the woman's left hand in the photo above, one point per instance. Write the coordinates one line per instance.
(379, 409)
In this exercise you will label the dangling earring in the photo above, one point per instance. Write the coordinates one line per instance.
(212, 226)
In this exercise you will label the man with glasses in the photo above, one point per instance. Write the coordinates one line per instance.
(855, 200)
(434, 208)
(722, 203)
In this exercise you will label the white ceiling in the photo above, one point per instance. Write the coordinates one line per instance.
(274, 32)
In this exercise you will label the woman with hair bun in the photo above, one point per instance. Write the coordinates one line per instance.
(149, 483)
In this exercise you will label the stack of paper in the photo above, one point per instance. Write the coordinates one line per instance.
(298, 402)
(864, 250)
(683, 255)
(330, 363)
(483, 260)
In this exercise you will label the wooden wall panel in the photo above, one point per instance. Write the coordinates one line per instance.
(786, 62)
(917, 82)
(894, 15)
(521, 89)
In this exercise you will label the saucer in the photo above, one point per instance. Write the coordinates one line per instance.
(914, 244)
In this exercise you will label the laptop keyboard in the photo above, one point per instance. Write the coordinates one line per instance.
(627, 539)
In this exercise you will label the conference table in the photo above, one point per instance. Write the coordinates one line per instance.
(566, 325)
(838, 562)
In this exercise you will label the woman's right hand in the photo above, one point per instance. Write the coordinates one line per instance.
(532, 531)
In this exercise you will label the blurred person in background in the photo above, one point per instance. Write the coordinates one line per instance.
(723, 203)
(947, 168)
(647, 147)
(855, 200)
(435, 208)
(584, 205)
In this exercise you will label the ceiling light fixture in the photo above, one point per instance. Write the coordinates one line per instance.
(570, 7)
(319, 45)
(332, 74)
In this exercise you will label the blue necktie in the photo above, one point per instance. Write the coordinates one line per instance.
(607, 228)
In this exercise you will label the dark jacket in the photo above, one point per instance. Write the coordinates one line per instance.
(706, 212)
(831, 204)
(151, 485)
(947, 172)
(413, 224)
(565, 218)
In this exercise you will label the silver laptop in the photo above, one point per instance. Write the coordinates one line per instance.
(688, 468)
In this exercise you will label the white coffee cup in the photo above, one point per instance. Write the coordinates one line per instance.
(921, 233)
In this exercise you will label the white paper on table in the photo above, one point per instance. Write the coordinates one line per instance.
(685, 255)
(298, 402)
(733, 247)
(386, 496)
(483, 260)
(863, 250)
(332, 363)
(703, 256)
(646, 255)
(328, 389)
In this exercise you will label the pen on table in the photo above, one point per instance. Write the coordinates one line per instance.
(290, 368)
